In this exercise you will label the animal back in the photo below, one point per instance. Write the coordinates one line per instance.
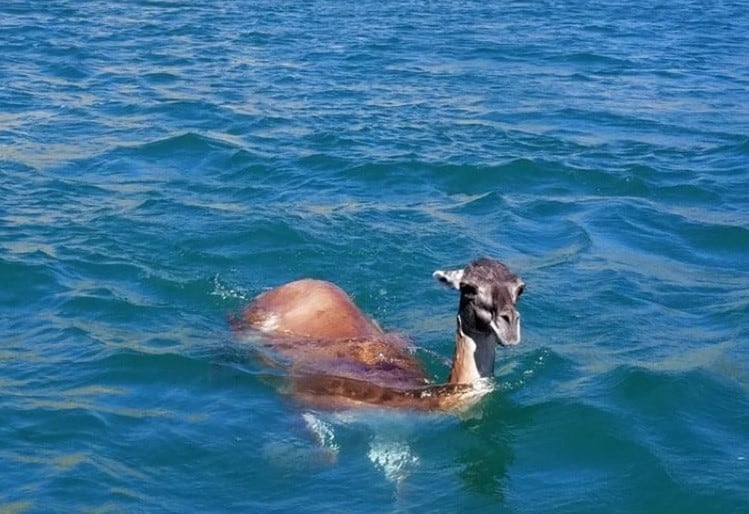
(312, 309)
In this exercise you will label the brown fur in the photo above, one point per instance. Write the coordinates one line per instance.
(311, 308)
(337, 356)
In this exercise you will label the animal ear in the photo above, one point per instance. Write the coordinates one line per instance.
(451, 278)
(518, 289)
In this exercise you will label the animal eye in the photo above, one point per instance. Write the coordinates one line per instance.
(483, 313)
(520, 290)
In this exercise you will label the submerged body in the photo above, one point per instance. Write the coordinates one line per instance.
(337, 356)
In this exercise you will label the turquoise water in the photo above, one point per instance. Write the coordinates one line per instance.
(162, 162)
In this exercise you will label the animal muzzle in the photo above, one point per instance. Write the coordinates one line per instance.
(506, 328)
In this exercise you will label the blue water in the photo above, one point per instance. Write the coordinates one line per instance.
(162, 162)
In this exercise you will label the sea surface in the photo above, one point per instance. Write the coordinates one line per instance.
(162, 162)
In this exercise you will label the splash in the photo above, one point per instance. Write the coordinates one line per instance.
(393, 456)
(225, 291)
(322, 433)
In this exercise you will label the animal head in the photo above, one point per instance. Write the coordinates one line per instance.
(488, 294)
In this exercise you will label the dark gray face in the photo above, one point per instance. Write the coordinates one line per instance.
(488, 294)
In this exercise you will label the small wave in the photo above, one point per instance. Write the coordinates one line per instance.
(540, 364)
(608, 63)
(187, 142)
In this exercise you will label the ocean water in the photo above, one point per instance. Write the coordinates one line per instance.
(162, 162)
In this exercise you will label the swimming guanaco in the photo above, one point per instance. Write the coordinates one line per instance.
(338, 357)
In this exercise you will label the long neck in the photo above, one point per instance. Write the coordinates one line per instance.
(473, 359)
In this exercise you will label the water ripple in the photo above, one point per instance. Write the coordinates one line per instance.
(162, 163)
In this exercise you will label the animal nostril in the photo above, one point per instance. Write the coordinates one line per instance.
(505, 317)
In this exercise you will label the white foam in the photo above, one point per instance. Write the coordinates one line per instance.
(225, 291)
(322, 432)
(393, 457)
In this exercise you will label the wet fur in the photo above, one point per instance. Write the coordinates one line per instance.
(338, 357)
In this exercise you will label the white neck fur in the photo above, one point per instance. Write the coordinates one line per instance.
(471, 358)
